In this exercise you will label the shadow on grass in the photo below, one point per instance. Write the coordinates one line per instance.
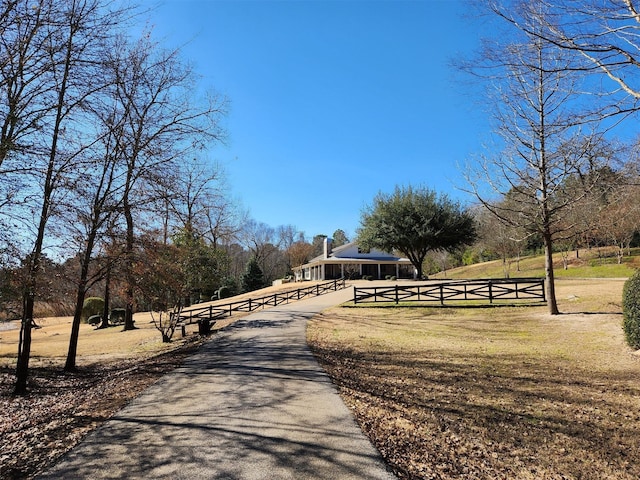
(497, 415)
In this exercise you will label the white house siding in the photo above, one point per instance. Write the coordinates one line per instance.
(348, 261)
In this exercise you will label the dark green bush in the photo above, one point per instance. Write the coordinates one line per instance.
(92, 306)
(117, 316)
(631, 310)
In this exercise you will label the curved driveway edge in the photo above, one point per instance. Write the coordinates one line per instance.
(253, 403)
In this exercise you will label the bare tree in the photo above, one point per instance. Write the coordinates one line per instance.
(191, 194)
(540, 122)
(25, 74)
(95, 209)
(224, 222)
(300, 252)
(73, 37)
(259, 238)
(505, 240)
(619, 219)
(605, 36)
(287, 235)
(166, 321)
(162, 125)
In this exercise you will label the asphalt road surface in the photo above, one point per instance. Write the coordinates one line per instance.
(253, 403)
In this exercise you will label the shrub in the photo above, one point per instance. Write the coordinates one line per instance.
(232, 284)
(224, 292)
(94, 320)
(117, 316)
(631, 310)
(92, 306)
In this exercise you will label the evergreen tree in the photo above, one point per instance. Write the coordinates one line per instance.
(252, 279)
(339, 238)
(415, 221)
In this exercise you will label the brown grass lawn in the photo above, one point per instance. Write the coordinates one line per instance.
(50, 343)
(492, 393)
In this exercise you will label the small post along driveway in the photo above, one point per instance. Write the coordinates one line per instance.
(253, 403)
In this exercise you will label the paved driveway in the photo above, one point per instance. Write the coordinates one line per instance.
(251, 404)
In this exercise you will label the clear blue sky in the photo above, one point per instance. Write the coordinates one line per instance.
(332, 101)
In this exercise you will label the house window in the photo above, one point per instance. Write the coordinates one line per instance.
(370, 270)
(387, 270)
(331, 272)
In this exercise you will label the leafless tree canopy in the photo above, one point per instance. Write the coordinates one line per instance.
(549, 133)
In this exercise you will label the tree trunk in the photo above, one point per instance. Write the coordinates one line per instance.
(549, 275)
(49, 186)
(418, 267)
(24, 345)
(107, 297)
(81, 292)
(70, 364)
(129, 290)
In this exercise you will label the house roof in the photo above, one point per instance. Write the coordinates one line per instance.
(345, 253)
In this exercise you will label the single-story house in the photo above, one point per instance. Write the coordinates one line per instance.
(349, 261)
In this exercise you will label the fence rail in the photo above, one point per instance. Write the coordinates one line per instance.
(207, 316)
(518, 289)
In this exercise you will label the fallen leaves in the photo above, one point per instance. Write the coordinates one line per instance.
(35, 430)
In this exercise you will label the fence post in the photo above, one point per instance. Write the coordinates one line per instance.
(250, 305)
(396, 294)
(210, 312)
(441, 289)
(355, 298)
(490, 291)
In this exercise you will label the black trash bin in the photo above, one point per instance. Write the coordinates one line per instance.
(204, 326)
